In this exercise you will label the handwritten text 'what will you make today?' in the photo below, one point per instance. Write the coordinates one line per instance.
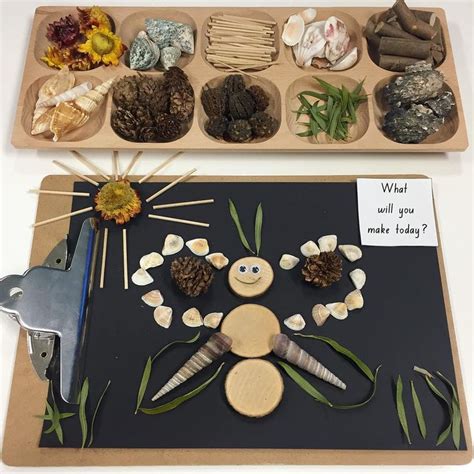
(396, 212)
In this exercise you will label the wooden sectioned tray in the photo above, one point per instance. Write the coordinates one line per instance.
(282, 81)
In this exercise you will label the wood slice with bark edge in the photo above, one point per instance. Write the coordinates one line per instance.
(254, 387)
(251, 328)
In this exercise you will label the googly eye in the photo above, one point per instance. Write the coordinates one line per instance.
(243, 269)
(255, 269)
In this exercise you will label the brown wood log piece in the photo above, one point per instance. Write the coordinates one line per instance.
(372, 38)
(427, 17)
(405, 47)
(411, 23)
(396, 63)
(389, 29)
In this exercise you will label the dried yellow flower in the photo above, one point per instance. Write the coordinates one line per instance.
(118, 201)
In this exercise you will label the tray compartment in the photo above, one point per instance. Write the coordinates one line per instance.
(357, 130)
(355, 32)
(273, 109)
(135, 22)
(91, 128)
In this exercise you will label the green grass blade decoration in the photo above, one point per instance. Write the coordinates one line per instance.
(235, 217)
(401, 408)
(258, 228)
(455, 410)
(329, 88)
(62, 416)
(50, 415)
(418, 410)
(179, 400)
(91, 438)
(82, 410)
(304, 101)
(422, 371)
(147, 370)
(344, 352)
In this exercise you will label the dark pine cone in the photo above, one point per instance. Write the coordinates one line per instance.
(217, 126)
(125, 124)
(260, 97)
(147, 134)
(214, 101)
(322, 270)
(239, 131)
(125, 91)
(241, 105)
(160, 102)
(233, 84)
(143, 116)
(263, 125)
(148, 87)
(192, 275)
(182, 104)
(168, 127)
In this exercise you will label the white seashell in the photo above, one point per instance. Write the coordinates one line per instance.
(288, 262)
(153, 298)
(151, 260)
(354, 300)
(217, 260)
(351, 252)
(310, 248)
(199, 247)
(338, 310)
(327, 243)
(320, 314)
(142, 277)
(337, 37)
(293, 30)
(163, 316)
(173, 244)
(295, 322)
(70, 94)
(192, 318)
(347, 61)
(308, 15)
(212, 320)
(312, 44)
(358, 277)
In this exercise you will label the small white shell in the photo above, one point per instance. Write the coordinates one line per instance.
(358, 277)
(199, 247)
(217, 260)
(293, 30)
(351, 252)
(327, 243)
(295, 322)
(288, 262)
(309, 248)
(153, 298)
(192, 318)
(212, 320)
(163, 316)
(354, 300)
(347, 61)
(338, 310)
(308, 15)
(173, 244)
(320, 314)
(151, 260)
(142, 277)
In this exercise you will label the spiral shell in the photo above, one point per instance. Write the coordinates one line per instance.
(286, 349)
(93, 99)
(216, 346)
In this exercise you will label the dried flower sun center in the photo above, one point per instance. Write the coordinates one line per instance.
(102, 44)
(118, 201)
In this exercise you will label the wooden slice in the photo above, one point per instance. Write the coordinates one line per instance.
(250, 277)
(254, 387)
(251, 327)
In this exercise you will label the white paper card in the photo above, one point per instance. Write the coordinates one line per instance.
(396, 212)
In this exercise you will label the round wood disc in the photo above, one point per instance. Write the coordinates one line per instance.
(251, 327)
(250, 277)
(254, 387)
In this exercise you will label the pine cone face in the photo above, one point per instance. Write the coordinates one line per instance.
(323, 270)
(192, 275)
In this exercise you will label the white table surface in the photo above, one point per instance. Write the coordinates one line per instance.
(21, 170)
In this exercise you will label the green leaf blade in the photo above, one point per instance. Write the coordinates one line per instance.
(418, 410)
(91, 438)
(82, 410)
(235, 217)
(401, 408)
(258, 228)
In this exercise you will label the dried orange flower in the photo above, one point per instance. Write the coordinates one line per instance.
(118, 201)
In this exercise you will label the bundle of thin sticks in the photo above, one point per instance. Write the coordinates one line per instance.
(238, 43)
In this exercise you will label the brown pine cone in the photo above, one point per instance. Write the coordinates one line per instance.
(192, 275)
(181, 104)
(168, 127)
(322, 270)
(125, 124)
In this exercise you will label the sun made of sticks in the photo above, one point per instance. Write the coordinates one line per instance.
(132, 208)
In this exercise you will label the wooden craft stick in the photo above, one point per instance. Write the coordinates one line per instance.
(179, 221)
(60, 193)
(183, 203)
(125, 259)
(75, 172)
(104, 257)
(64, 216)
(171, 185)
(115, 164)
(132, 163)
(159, 167)
(90, 165)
